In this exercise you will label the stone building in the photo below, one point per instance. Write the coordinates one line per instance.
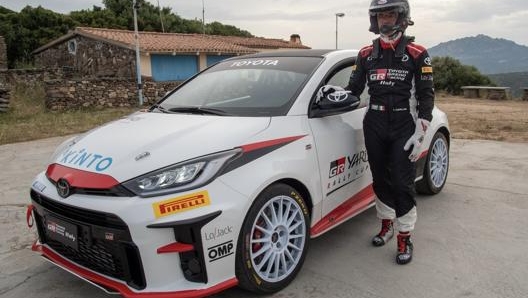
(96, 52)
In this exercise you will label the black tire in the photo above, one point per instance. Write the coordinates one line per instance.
(436, 166)
(255, 269)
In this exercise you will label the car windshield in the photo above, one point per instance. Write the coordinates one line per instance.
(243, 87)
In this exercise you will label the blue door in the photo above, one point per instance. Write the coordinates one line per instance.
(173, 68)
(215, 58)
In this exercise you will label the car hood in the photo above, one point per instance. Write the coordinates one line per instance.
(143, 142)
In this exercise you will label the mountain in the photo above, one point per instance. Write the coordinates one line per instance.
(488, 55)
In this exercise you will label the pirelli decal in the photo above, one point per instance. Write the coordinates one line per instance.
(427, 69)
(181, 204)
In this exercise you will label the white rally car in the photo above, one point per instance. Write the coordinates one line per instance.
(221, 183)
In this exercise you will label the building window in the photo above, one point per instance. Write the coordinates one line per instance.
(72, 46)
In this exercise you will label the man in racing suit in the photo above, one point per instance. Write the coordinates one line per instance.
(395, 69)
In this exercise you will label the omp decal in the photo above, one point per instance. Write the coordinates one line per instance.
(252, 151)
(220, 251)
(427, 69)
(85, 159)
(79, 178)
(182, 203)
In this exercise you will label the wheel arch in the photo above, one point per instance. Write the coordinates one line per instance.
(302, 189)
(446, 133)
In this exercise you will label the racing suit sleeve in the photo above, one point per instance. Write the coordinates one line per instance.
(357, 81)
(423, 79)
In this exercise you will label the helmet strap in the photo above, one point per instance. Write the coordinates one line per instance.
(391, 39)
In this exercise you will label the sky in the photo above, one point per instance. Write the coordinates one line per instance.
(436, 21)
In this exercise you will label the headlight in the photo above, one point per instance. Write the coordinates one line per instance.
(182, 176)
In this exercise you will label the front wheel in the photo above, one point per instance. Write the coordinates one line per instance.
(273, 240)
(436, 166)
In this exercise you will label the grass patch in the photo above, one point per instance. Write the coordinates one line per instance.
(28, 119)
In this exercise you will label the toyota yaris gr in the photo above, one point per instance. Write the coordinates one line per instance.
(222, 182)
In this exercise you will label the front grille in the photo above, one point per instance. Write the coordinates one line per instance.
(84, 215)
(116, 191)
(103, 240)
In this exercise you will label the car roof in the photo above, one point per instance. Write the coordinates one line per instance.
(290, 53)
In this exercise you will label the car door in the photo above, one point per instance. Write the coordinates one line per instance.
(342, 157)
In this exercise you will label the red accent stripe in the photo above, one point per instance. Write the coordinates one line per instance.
(349, 208)
(175, 247)
(365, 51)
(29, 215)
(423, 154)
(80, 178)
(415, 50)
(264, 144)
(122, 288)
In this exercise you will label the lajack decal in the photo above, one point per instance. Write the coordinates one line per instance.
(180, 204)
(218, 233)
(346, 169)
(86, 160)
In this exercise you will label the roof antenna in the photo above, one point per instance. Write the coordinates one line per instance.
(161, 18)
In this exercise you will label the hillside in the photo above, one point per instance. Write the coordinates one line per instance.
(488, 55)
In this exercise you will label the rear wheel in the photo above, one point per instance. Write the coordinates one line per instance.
(273, 241)
(436, 166)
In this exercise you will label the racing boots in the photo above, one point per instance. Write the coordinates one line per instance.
(405, 248)
(386, 233)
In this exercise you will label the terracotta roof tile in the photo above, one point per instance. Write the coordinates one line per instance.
(179, 42)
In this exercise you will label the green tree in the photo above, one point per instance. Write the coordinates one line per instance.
(217, 28)
(450, 75)
(32, 28)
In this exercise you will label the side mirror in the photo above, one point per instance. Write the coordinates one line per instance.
(334, 103)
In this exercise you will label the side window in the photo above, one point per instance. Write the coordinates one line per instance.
(341, 77)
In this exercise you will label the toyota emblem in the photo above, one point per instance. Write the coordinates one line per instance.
(338, 96)
(63, 188)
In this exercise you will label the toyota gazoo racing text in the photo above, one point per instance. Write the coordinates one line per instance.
(221, 183)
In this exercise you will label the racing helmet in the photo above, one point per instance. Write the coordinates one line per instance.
(404, 15)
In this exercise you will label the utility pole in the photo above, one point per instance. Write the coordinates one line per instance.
(338, 15)
(161, 19)
(203, 17)
(135, 6)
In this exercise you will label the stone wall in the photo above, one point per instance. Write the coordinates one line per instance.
(84, 57)
(65, 92)
(4, 99)
(4, 90)
(3, 54)
(30, 77)
(101, 92)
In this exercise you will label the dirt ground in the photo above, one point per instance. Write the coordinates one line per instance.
(499, 120)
